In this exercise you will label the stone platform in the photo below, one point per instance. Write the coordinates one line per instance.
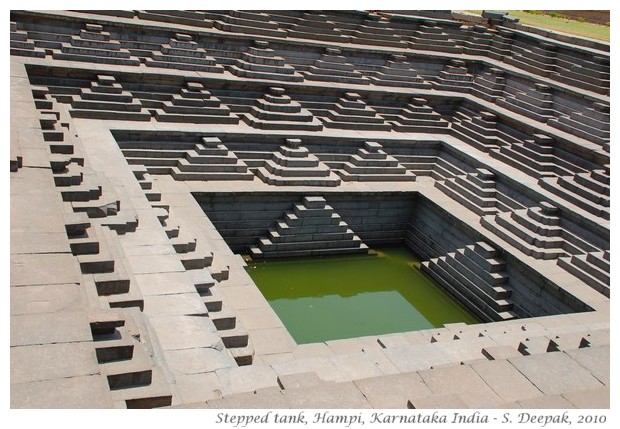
(152, 151)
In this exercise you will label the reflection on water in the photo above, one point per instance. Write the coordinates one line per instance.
(320, 299)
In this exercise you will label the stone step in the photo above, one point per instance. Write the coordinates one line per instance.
(234, 338)
(183, 63)
(529, 248)
(464, 295)
(207, 176)
(154, 395)
(224, 319)
(313, 125)
(377, 177)
(267, 245)
(258, 254)
(242, 355)
(585, 276)
(98, 263)
(196, 260)
(115, 349)
(185, 166)
(466, 280)
(300, 236)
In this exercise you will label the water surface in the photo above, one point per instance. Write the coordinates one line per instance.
(320, 299)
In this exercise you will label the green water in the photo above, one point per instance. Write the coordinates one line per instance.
(320, 299)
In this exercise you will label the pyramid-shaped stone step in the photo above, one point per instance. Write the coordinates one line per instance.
(260, 62)
(333, 67)
(350, 112)
(399, 72)
(454, 77)
(536, 104)
(432, 37)
(294, 165)
(311, 228)
(107, 100)
(182, 53)
(591, 268)
(195, 105)
(523, 232)
(582, 191)
(371, 163)
(418, 116)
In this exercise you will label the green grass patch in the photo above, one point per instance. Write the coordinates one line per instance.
(556, 22)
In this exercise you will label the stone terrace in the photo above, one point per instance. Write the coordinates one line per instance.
(151, 150)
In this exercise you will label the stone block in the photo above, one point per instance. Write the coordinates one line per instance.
(392, 391)
(555, 373)
(246, 379)
(46, 328)
(89, 391)
(328, 396)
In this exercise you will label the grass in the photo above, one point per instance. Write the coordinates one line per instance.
(584, 29)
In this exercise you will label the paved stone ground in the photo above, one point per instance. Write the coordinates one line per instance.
(125, 294)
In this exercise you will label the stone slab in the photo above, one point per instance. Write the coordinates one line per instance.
(266, 399)
(34, 242)
(164, 283)
(350, 345)
(198, 388)
(198, 360)
(185, 332)
(550, 402)
(416, 358)
(354, 366)
(142, 264)
(294, 381)
(259, 318)
(44, 269)
(328, 396)
(461, 380)
(438, 402)
(272, 341)
(52, 361)
(174, 305)
(322, 366)
(46, 328)
(46, 299)
(90, 391)
(555, 373)
(590, 399)
(392, 391)
(595, 360)
(505, 380)
(246, 379)
(241, 297)
(312, 350)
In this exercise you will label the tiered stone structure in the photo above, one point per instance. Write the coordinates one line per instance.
(106, 99)
(195, 104)
(312, 228)
(183, 53)
(261, 62)
(397, 71)
(333, 67)
(95, 45)
(372, 164)
(476, 274)
(351, 112)
(294, 165)
(148, 166)
(277, 111)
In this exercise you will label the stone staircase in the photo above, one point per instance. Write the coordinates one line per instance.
(592, 268)
(416, 117)
(208, 160)
(261, 62)
(276, 111)
(372, 164)
(333, 67)
(183, 53)
(94, 45)
(397, 71)
(592, 124)
(490, 84)
(475, 274)
(195, 105)
(352, 113)
(537, 157)
(589, 191)
(106, 99)
(454, 77)
(480, 131)
(536, 103)
(312, 228)
(477, 191)
(294, 165)
(537, 232)
(20, 45)
(432, 37)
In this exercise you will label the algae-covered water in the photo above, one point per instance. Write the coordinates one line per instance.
(327, 298)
